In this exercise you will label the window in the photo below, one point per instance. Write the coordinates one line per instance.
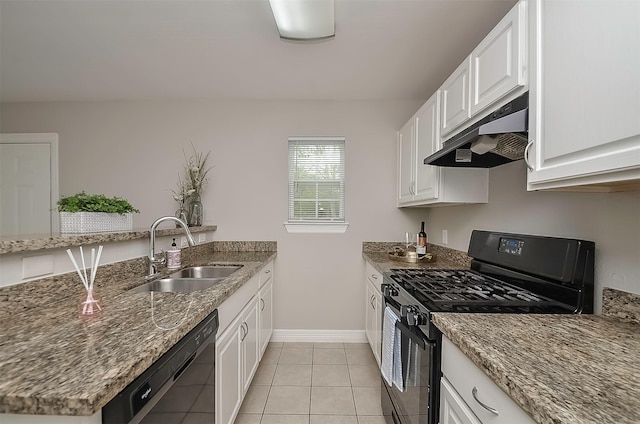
(316, 184)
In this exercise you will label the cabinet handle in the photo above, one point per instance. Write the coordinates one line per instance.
(245, 330)
(474, 392)
(526, 155)
(371, 301)
(374, 276)
(268, 271)
(262, 307)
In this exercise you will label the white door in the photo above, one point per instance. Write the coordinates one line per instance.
(28, 183)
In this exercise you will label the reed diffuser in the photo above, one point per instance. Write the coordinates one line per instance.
(90, 306)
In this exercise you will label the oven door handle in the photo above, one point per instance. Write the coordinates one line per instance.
(418, 339)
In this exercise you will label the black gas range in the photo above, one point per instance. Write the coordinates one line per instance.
(510, 273)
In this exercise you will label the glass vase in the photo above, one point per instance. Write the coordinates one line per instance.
(182, 214)
(195, 211)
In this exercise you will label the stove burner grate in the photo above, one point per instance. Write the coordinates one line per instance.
(457, 289)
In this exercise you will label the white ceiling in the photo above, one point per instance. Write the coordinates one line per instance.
(93, 50)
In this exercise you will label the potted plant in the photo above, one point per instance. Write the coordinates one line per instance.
(95, 213)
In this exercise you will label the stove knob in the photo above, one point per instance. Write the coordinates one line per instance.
(388, 290)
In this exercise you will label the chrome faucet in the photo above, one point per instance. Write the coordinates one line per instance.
(153, 261)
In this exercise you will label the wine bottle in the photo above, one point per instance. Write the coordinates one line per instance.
(421, 249)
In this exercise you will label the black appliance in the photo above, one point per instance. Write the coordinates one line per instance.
(178, 387)
(510, 273)
(498, 138)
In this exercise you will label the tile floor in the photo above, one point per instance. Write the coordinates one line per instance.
(314, 383)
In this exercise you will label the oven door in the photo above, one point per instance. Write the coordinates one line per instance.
(415, 402)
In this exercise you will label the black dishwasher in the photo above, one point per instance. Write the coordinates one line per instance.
(177, 388)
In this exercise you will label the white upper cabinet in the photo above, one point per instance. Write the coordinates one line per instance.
(584, 118)
(427, 139)
(424, 185)
(494, 73)
(455, 98)
(417, 139)
(498, 63)
(406, 163)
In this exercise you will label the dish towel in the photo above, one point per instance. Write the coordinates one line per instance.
(398, 375)
(388, 345)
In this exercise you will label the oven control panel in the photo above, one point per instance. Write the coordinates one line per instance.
(511, 246)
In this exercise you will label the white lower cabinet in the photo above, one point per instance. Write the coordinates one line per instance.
(236, 362)
(265, 298)
(373, 311)
(453, 410)
(246, 323)
(229, 373)
(468, 396)
(249, 343)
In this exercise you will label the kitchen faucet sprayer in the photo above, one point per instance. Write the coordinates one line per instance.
(153, 262)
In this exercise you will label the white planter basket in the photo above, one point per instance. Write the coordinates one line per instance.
(94, 222)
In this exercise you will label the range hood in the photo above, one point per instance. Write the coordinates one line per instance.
(498, 138)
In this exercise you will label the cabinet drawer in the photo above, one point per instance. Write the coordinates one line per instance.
(464, 375)
(266, 273)
(374, 276)
(231, 307)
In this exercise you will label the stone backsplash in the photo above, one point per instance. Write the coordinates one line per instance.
(621, 304)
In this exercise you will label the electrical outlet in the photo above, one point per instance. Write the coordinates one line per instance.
(445, 237)
(202, 238)
(183, 242)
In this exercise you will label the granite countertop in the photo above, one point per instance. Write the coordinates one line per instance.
(54, 362)
(377, 254)
(32, 242)
(578, 369)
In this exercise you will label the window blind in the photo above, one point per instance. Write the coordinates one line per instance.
(316, 179)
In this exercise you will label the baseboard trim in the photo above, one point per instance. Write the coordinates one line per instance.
(326, 336)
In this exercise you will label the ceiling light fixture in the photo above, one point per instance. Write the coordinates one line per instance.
(304, 19)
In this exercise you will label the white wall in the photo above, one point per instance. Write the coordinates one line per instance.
(134, 150)
(611, 220)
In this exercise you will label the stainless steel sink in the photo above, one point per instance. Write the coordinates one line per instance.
(178, 285)
(211, 271)
(190, 279)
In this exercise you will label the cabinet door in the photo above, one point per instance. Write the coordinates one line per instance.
(370, 322)
(377, 316)
(250, 343)
(228, 373)
(265, 296)
(427, 136)
(584, 93)
(453, 410)
(406, 158)
(455, 98)
(498, 63)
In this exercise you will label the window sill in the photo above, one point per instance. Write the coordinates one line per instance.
(327, 228)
